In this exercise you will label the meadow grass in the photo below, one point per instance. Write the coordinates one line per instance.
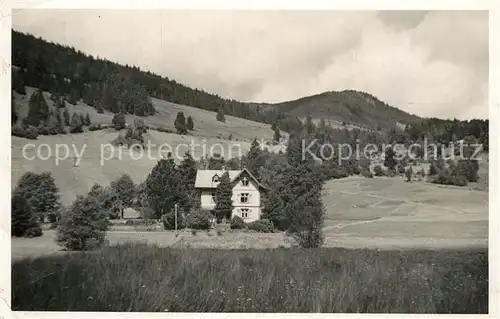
(140, 277)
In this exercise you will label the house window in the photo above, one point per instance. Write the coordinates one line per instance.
(244, 212)
(245, 181)
(215, 179)
(244, 197)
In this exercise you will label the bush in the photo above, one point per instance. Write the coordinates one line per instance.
(95, 127)
(409, 174)
(164, 130)
(18, 131)
(401, 169)
(449, 177)
(31, 133)
(421, 172)
(390, 172)
(367, 173)
(378, 170)
(168, 221)
(76, 129)
(199, 219)
(55, 129)
(43, 130)
(35, 231)
(238, 223)
(140, 126)
(119, 121)
(261, 226)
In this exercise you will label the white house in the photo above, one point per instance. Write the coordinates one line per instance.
(247, 191)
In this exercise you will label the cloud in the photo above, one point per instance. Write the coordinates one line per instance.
(428, 63)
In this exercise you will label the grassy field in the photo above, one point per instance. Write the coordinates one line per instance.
(137, 277)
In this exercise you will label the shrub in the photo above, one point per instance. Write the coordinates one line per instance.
(34, 231)
(421, 172)
(31, 133)
(367, 173)
(18, 131)
(43, 130)
(390, 172)
(238, 223)
(119, 121)
(401, 169)
(140, 126)
(76, 129)
(83, 226)
(449, 177)
(55, 129)
(164, 130)
(199, 219)
(261, 226)
(378, 170)
(409, 174)
(87, 121)
(95, 127)
(168, 221)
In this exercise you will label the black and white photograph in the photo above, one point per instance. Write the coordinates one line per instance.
(248, 161)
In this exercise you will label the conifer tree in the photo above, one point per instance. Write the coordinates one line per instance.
(180, 123)
(87, 120)
(119, 121)
(220, 116)
(389, 160)
(163, 187)
(38, 109)
(66, 117)
(13, 110)
(187, 171)
(22, 217)
(190, 124)
(303, 208)
(76, 123)
(277, 135)
(223, 202)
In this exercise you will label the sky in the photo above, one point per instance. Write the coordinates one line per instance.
(433, 64)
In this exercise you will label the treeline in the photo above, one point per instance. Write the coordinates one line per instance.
(446, 131)
(57, 68)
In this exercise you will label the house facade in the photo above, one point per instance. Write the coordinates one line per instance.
(246, 190)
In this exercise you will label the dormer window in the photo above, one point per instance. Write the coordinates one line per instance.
(245, 181)
(215, 179)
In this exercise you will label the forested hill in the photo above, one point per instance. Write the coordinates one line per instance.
(75, 75)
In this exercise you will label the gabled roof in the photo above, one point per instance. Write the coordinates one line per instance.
(251, 176)
(204, 177)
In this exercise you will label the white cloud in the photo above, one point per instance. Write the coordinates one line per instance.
(427, 63)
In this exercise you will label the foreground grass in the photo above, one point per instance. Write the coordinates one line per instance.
(138, 277)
